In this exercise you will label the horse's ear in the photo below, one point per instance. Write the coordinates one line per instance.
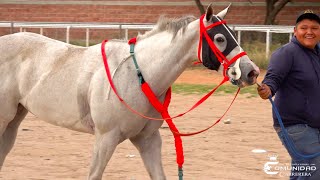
(223, 13)
(209, 12)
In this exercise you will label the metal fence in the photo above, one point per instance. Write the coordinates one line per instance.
(268, 29)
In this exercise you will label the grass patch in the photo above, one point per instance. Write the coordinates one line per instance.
(256, 51)
(83, 43)
(183, 88)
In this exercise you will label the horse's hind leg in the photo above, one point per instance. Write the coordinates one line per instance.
(150, 151)
(104, 147)
(8, 133)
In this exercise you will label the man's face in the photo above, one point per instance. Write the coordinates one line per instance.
(308, 33)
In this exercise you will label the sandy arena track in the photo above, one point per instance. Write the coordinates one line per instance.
(44, 151)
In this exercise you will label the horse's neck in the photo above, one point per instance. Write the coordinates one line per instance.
(162, 59)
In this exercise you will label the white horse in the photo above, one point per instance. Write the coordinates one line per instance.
(66, 85)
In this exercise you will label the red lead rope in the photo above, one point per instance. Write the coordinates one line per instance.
(163, 108)
(157, 105)
(152, 97)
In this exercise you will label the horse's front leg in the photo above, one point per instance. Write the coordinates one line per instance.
(150, 150)
(104, 147)
(8, 132)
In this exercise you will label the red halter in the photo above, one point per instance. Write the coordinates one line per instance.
(223, 60)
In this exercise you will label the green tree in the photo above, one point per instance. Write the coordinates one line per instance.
(200, 6)
(273, 7)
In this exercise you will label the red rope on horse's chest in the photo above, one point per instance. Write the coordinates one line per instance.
(161, 108)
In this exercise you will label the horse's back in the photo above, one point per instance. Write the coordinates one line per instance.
(43, 75)
(13, 51)
(22, 42)
(27, 57)
(21, 47)
(59, 82)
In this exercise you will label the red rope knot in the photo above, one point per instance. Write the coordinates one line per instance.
(132, 41)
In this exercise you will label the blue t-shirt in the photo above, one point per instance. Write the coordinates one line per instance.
(293, 76)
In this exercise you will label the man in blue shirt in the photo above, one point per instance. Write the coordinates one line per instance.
(293, 76)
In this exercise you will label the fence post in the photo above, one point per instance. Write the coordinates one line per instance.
(267, 44)
(87, 37)
(120, 31)
(126, 34)
(68, 34)
(11, 27)
(239, 37)
(290, 37)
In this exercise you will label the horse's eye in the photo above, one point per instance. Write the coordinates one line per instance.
(220, 39)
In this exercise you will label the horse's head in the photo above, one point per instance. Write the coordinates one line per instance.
(220, 47)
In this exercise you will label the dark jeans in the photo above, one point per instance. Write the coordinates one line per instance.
(306, 141)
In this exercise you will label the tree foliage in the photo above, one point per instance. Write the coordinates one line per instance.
(200, 6)
(273, 7)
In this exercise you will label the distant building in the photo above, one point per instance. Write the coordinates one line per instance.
(142, 11)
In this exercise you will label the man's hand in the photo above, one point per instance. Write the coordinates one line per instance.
(264, 91)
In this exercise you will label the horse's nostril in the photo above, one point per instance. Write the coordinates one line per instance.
(253, 73)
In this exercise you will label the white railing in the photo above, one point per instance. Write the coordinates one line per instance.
(268, 29)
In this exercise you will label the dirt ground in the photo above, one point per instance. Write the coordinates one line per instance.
(44, 151)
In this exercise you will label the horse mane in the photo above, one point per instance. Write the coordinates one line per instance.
(172, 25)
